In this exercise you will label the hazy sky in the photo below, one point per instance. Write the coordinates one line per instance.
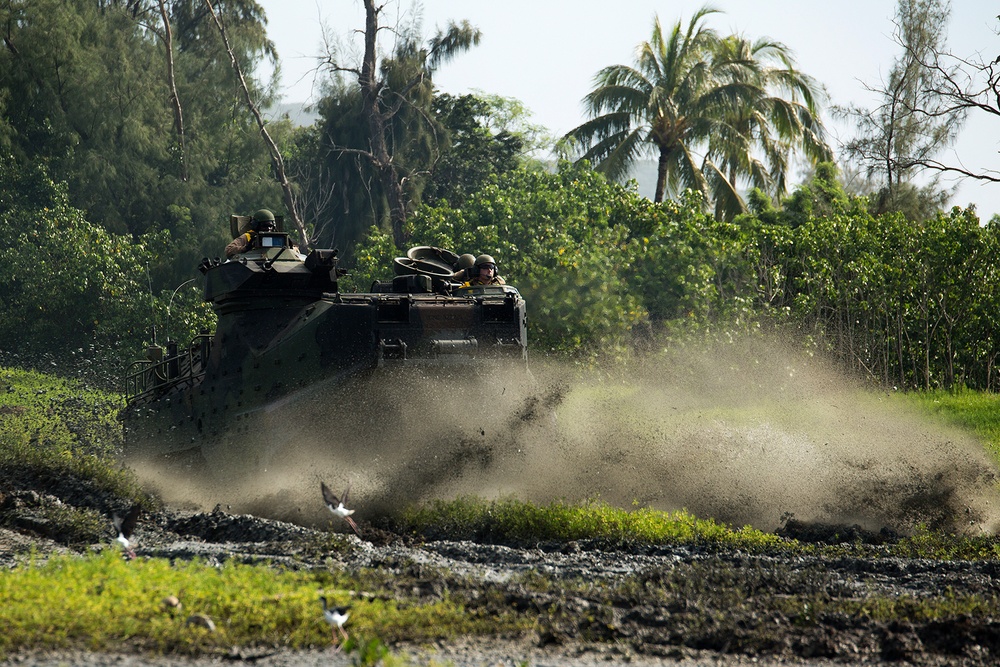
(546, 52)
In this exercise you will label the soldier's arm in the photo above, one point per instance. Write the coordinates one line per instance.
(239, 244)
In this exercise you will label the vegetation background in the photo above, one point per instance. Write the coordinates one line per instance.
(130, 131)
(128, 139)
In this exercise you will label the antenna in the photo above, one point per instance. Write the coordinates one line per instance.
(170, 303)
(152, 303)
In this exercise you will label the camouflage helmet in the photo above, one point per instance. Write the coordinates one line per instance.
(485, 259)
(466, 261)
(263, 216)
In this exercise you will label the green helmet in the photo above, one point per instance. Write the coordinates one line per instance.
(466, 261)
(261, 218)
(485, 259)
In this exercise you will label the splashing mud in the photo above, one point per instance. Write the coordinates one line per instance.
(744, 434)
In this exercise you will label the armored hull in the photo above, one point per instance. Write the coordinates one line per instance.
(286, 332)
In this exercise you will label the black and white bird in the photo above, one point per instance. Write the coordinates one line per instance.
(125, 527)
(336, 617)
(338, 505)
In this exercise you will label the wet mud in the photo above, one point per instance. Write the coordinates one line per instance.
(757, 437)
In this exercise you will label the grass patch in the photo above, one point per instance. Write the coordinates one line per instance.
(511, 521)
(101, 601)
(52, 428)
(925, 543)
(514, 521)
(975, 411)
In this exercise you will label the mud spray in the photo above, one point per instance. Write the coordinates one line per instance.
(748, 435)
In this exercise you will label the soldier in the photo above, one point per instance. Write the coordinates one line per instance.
(465, 264)
(484, 272)
(263, 221)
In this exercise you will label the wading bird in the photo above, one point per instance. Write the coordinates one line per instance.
(125, 527)
(337, 505)
(336, 617)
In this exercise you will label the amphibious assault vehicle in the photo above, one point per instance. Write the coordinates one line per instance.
(285, 329)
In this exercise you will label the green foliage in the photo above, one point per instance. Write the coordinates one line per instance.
(925, 543)
(80, 291)
(372, 261)
(515, 521)
(558, 239)
(904, 305)
(472, 152)
(53, 426)
(896, 301)
(83, 89)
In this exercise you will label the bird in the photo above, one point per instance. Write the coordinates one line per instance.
(125, 527)
(336, 617)
(337, 505)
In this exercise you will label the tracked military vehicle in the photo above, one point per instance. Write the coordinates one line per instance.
(286, 330)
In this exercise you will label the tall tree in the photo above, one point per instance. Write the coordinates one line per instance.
(693, 92)
(911, 122)
(962, 85)
(395, 94)
(82, 89)
(485, 136)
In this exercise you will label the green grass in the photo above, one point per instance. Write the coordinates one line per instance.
(57, 427)
(975, 411)
(511, 520)
(102, 601)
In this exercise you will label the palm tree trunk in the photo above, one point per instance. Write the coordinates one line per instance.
(661, 176)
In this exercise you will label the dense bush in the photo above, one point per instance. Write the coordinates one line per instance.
(905, 304)
(80, 293)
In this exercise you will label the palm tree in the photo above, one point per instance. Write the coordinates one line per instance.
(779, 114)
(693, 92)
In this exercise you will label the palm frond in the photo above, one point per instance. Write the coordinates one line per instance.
(739, 103)
(728, 202)
(618, 160)
(448, 43)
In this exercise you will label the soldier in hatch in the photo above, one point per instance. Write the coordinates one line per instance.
(263, 221)
(484, 272)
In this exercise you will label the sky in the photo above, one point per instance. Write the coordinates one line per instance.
(545, 53)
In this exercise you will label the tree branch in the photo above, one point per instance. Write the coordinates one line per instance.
(277, 161)
(175, 100)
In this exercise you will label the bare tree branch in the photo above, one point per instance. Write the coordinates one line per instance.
(175, 100)
(985, 175)
(277, 161)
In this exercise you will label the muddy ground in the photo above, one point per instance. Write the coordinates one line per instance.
(603, 603)
(784, 445)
